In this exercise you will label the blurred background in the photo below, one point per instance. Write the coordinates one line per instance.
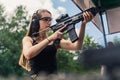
(14, 20)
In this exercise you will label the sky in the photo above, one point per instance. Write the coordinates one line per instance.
(56, 7)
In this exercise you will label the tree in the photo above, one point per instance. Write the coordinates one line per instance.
(89, 42)
(65, 61)
(116, 41)
(11, 34)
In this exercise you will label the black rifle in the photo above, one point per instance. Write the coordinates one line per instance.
(71, 21)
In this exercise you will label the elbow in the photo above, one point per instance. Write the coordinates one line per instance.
(27, 56)
(78, 47)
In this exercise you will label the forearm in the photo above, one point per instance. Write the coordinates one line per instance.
(79, 42)
(36, 49)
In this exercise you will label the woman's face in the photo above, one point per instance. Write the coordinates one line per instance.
(45, 21)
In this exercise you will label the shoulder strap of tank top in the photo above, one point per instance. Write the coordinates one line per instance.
(34, 41)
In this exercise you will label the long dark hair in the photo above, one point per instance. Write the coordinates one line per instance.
(34, 25)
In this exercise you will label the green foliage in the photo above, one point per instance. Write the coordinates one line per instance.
(116, 41)
(2, 17)
(11, 34)
(90, 43)
(66, 62)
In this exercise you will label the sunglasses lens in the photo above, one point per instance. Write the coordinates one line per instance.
(46, 18)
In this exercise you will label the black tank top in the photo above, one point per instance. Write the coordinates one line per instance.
(45, 61)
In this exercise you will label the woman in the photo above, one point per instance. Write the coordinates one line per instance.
(39, 49)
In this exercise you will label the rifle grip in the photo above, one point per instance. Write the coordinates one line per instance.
(57, 42)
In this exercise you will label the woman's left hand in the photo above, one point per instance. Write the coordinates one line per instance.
(88, 16)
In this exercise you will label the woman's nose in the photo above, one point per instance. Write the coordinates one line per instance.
(49, 22)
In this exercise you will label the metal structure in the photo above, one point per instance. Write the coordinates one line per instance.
(112, 14)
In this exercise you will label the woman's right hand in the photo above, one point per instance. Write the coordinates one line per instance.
(57, 35)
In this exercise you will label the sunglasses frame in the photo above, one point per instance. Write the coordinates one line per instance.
(46, 19)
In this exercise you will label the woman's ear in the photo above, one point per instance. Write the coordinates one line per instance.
(35, 23)
(35, 27)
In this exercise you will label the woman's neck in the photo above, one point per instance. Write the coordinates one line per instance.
(43, 36)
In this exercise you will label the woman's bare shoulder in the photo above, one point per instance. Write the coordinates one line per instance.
(27, 38)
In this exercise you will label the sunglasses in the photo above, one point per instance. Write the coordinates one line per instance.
(46, 19)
